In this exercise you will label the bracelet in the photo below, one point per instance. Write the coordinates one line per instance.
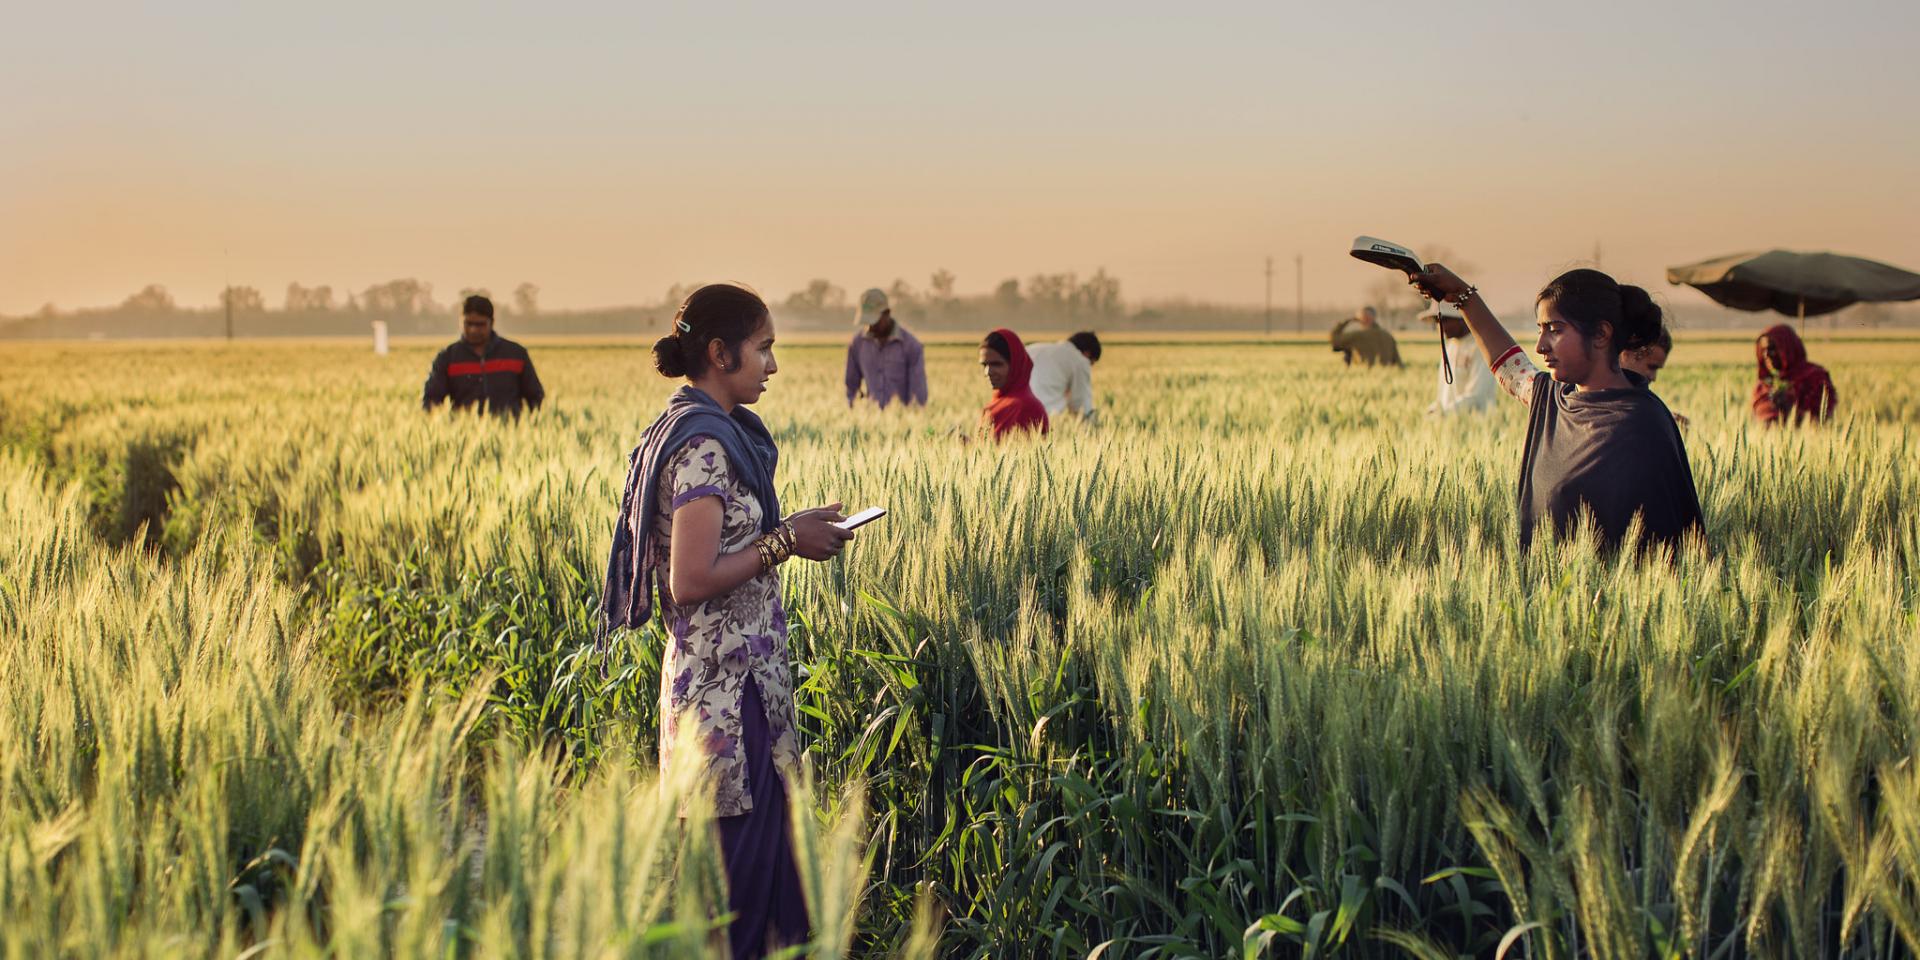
(775, 547)
(1465, 295)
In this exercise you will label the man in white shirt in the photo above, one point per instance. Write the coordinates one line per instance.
(1473, 388)
(1063, 374)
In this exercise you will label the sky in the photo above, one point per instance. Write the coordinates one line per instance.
(606, 151)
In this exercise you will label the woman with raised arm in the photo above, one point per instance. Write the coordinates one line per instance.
(1599, 444)
(700, 514)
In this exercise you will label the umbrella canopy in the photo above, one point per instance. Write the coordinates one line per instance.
(1796, 284)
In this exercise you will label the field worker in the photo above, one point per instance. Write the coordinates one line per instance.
(884, 356)
(1361, 335)
(1649, 360)
(483, 368)
(1791, 389)
(1063, 374)
(1009, 370)
(1599, 445)
(701, 517)
(1472, 389)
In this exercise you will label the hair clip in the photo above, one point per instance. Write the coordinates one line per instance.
(684, 326)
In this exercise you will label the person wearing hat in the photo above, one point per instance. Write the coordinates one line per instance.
(1362, 338)
(883, 357)
(1473, 388)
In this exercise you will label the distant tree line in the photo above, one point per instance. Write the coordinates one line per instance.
(1045, 300)
(1042, 302)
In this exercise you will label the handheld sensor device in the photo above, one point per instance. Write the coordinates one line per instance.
(1396, 257)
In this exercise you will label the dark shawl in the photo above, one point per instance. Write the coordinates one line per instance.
(628, 598)
(1610, 454)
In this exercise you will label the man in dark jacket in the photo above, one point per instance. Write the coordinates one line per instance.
(483, 368)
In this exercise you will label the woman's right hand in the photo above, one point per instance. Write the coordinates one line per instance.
(815, 535)
(1438, 283)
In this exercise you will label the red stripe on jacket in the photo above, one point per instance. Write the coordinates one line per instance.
(491, 366)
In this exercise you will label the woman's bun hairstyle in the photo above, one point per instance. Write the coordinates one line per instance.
(1642, 323)
(667, 357)
(725, 312)
(1589, 298)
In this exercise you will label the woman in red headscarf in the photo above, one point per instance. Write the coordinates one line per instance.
(1790, 388)
(1008, 368)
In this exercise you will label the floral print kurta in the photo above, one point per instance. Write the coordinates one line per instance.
(713, 647)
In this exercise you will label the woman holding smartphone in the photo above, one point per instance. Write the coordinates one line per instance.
(1599, 445)
(700, 513)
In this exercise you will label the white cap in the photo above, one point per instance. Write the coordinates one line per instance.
(872, 304)
(1441, 311)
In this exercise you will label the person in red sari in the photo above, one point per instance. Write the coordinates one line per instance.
(1009, 369)
(1791, 389)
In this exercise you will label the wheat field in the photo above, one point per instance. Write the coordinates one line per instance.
(1252, 668)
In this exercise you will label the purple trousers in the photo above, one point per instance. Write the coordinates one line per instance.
(763, 885)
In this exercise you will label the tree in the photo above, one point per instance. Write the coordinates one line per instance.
(902, 300)
(940, 287)
(678, 293)
(243, 300)
(303, 299)
(1099, 296)
(404, 297)
(1007, 295)
(526, 299)
(153, 297)
(1052, 292)
(820, 296)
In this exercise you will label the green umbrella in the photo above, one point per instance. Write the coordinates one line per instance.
(1796, 284)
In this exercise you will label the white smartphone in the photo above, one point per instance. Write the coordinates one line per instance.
(862, 518)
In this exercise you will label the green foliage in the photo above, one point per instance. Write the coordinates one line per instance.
(1252, 669)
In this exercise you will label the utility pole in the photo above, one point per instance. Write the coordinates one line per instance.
(226, 296)
(1269, 295)
(1299, 294)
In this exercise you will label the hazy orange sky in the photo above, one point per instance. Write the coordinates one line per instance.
(606, 151)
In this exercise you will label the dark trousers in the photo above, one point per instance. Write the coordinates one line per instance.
(763, 885)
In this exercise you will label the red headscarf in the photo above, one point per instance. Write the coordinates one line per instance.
(1014, 406)
(1800, 391)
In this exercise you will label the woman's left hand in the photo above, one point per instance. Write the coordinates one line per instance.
(816, 534)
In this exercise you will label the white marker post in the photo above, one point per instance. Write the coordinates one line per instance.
(379, 338)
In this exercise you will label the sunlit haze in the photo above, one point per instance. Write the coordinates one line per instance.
(607, 151)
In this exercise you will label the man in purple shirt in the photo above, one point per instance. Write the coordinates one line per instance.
(884, 356)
